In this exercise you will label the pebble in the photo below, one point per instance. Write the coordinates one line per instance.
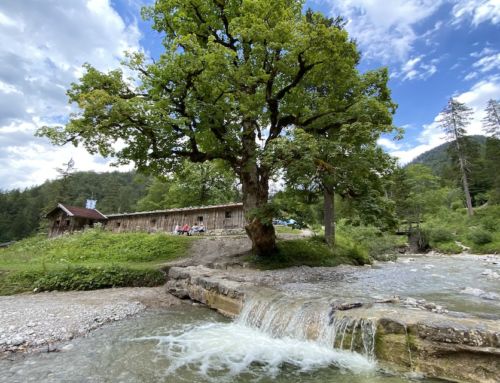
(39, 322)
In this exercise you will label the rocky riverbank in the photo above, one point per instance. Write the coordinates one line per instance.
(38, 322)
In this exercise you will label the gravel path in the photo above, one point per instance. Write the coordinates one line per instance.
(35, 322)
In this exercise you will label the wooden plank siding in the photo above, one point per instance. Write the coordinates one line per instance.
(229, 216)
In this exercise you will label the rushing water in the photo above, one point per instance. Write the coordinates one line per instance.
(192, 344)
(463, 284)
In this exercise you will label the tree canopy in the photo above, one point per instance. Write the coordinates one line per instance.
(234, 75)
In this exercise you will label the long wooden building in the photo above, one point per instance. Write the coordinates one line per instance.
(66, 218)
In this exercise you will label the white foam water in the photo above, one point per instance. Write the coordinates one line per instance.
(234, 349)
(270, 335)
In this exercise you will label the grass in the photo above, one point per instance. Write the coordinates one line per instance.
(286, 230)
(88, 260)
(312, 252)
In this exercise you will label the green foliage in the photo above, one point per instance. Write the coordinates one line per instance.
(97, 245)
(193, 184)
(441, 234)
(346, 248)
(377, 243)
(479, 236)
(87, 260)
(447, 247)
(313, 252)
(81, 278)
(483, 163)
(491, 121)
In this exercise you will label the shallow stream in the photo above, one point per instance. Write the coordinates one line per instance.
(468, 284)
(190, 343)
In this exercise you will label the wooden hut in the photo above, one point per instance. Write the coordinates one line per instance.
(65, 218)
(224, 217)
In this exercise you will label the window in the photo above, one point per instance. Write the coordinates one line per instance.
(117, 224)
(153, 221)
(67, 222)
(200, 218)
(228, 214)
(58, 222)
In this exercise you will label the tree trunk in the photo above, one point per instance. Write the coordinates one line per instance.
(465, 182)
(468, 200)
(329, 217)
(255, 190)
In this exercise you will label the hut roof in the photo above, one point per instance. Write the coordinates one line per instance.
(75, 211)
(210, 207)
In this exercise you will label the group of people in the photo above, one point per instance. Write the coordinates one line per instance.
(189, 230)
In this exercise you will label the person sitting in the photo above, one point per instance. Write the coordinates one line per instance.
(177, 229)
(195, 229)
(201, 228)
(186, 229)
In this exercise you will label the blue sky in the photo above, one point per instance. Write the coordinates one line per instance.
(434, 50)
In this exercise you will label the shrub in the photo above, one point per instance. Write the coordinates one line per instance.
(349, 249)
(313, 252)
(82, 278)
(440, 234)
(448, 248)
(377, 243)
(479, 236)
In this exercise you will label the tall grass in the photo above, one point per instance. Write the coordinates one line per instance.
(91, 259)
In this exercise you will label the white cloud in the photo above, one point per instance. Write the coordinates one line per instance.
(388, 144)
(488, 63)
(431, 136)
(385, 29)
(471, 76)
(478, 11)
(47, 44)
(416, 69)
(484, 52)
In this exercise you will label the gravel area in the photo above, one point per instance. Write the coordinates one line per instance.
(36, 322)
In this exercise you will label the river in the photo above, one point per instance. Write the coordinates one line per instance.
(267, 343)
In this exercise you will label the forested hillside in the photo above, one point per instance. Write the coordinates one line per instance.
(21, 210)
(438, 158)
(482, 163)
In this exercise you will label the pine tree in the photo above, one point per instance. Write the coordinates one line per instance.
(454, 119)
(491, 122)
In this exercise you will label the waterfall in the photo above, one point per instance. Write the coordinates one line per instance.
(309, 320)
(274, 334)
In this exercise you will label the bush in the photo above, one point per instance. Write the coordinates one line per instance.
(370, 238)
(440, 234)
(349, 249)
(479, 236)
(313, 252)
(448, 248)
(81, 278)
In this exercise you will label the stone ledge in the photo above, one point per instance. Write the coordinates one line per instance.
(440, 346)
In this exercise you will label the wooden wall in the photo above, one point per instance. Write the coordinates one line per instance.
(60, 223)
(230, 217)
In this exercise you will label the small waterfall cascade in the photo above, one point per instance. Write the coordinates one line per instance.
(309, 320)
